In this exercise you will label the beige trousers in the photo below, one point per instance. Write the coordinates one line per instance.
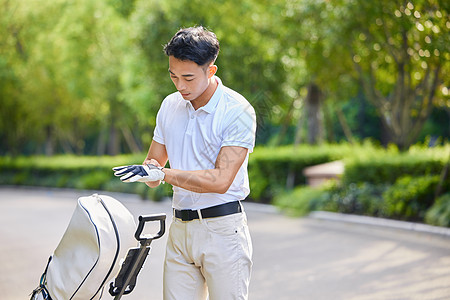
(210, 256)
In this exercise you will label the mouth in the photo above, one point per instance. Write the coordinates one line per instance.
(184, 94)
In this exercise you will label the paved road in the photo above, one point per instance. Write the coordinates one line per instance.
(293, 258)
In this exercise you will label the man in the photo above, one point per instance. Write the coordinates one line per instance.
(206, 132)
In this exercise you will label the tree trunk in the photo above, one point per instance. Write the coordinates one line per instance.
(344, 125)
(49, 141)
(65, 142)
(130, 140)
(101, 141)
(328, 124)
(298, 129)
(406, 109)
(361, 114)
(114, 141)
(314, 114)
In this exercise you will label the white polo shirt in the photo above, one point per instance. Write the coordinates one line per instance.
(193, 139)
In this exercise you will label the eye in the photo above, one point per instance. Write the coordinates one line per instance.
(189, 79)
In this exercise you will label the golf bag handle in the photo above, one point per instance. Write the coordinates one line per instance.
(149, 218)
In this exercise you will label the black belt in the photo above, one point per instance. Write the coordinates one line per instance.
(210, 212)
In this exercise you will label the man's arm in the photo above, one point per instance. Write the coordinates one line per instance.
(217, 180)
(157, 155)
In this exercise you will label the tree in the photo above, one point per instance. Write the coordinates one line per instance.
(13, 119)
(89, 76)
(64, 82)
(314, 60)
(396, 50)
(400, 51)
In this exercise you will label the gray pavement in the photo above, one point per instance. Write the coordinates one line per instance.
(294, 258)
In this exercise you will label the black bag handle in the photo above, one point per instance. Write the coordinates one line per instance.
(150, 218)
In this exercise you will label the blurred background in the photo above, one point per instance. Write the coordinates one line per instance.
(362, 82)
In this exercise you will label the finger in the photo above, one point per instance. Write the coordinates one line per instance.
(126, 169)
(127, 177)
(119, 168)
(135, 178)
(122, 172)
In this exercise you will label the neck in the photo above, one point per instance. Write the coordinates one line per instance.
(204, 98)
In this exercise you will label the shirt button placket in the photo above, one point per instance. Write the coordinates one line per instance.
(190, 122)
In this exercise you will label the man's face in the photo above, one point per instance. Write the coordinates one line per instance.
(190, 79)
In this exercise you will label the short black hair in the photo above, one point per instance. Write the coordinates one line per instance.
(196, 44)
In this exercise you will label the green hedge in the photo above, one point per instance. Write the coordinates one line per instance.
(80, 172)
(269, 168)
(372, 175)
(409, 198)
(361, 199)
(376, 182)
(379, 166)
(304, 199)
(439, 213)
(388, 168)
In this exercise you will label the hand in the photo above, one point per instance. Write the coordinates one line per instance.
(140, 173)
(151, 162)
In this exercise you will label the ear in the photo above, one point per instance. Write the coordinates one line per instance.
(212, 70)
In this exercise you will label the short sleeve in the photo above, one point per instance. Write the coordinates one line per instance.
(241, 129)
(158, 133)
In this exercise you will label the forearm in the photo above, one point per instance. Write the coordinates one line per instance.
(202, 181)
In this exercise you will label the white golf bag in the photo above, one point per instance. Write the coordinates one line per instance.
(88, 256)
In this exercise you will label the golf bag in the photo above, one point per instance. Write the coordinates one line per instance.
(88, 256)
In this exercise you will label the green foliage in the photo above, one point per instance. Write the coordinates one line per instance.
(361, 199)
(391, 195)
(379, 166)
(410, 197)
(93, 180)
(302, 200)
(249, 59)
(373, 184)
(69, 171)
(439, 213)
(66, 162)
(396, 52)
(87, 77)
(269, 168)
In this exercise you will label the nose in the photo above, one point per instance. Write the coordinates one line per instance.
(180, 86)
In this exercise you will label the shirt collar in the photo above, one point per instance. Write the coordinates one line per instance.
(212, 103)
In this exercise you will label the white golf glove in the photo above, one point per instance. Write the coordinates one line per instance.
(140, 173)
